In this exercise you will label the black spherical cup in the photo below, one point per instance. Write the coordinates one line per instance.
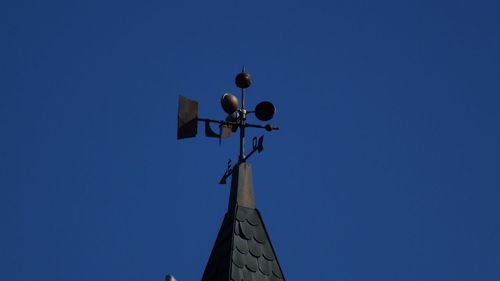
(229, 103)
(265, 111)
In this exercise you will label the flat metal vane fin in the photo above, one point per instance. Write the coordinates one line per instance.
(187, 118)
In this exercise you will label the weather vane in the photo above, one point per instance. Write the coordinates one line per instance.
(242, 249)
(187, 125)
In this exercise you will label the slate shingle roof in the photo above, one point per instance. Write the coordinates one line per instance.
(243, 250)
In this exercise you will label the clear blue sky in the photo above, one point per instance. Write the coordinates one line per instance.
(386, 168)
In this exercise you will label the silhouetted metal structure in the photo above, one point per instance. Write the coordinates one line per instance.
(242, 250)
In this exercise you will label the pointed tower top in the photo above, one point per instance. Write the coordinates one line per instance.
(243, 249)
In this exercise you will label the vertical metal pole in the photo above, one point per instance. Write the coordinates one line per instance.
(243, 113)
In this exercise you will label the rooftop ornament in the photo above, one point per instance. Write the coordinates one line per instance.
(243, 250)
(236, 119)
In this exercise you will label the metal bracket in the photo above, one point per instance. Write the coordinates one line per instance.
(257, 146)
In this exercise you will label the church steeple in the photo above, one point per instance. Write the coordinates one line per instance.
(242, 249)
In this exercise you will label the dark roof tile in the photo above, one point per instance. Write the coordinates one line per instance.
(236, 275)
(260, 235)
(265, 266)
(268, 252)
(248, 275)
(251, 263)
(277, 270)
(241, 244)
(238, 259)
(255, 249)
(247, 230)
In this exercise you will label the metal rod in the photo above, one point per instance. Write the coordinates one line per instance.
(242, 126)
(211, 120)
(259, 126)
(222, 122)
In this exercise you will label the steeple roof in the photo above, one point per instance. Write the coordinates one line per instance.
(242, 250)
